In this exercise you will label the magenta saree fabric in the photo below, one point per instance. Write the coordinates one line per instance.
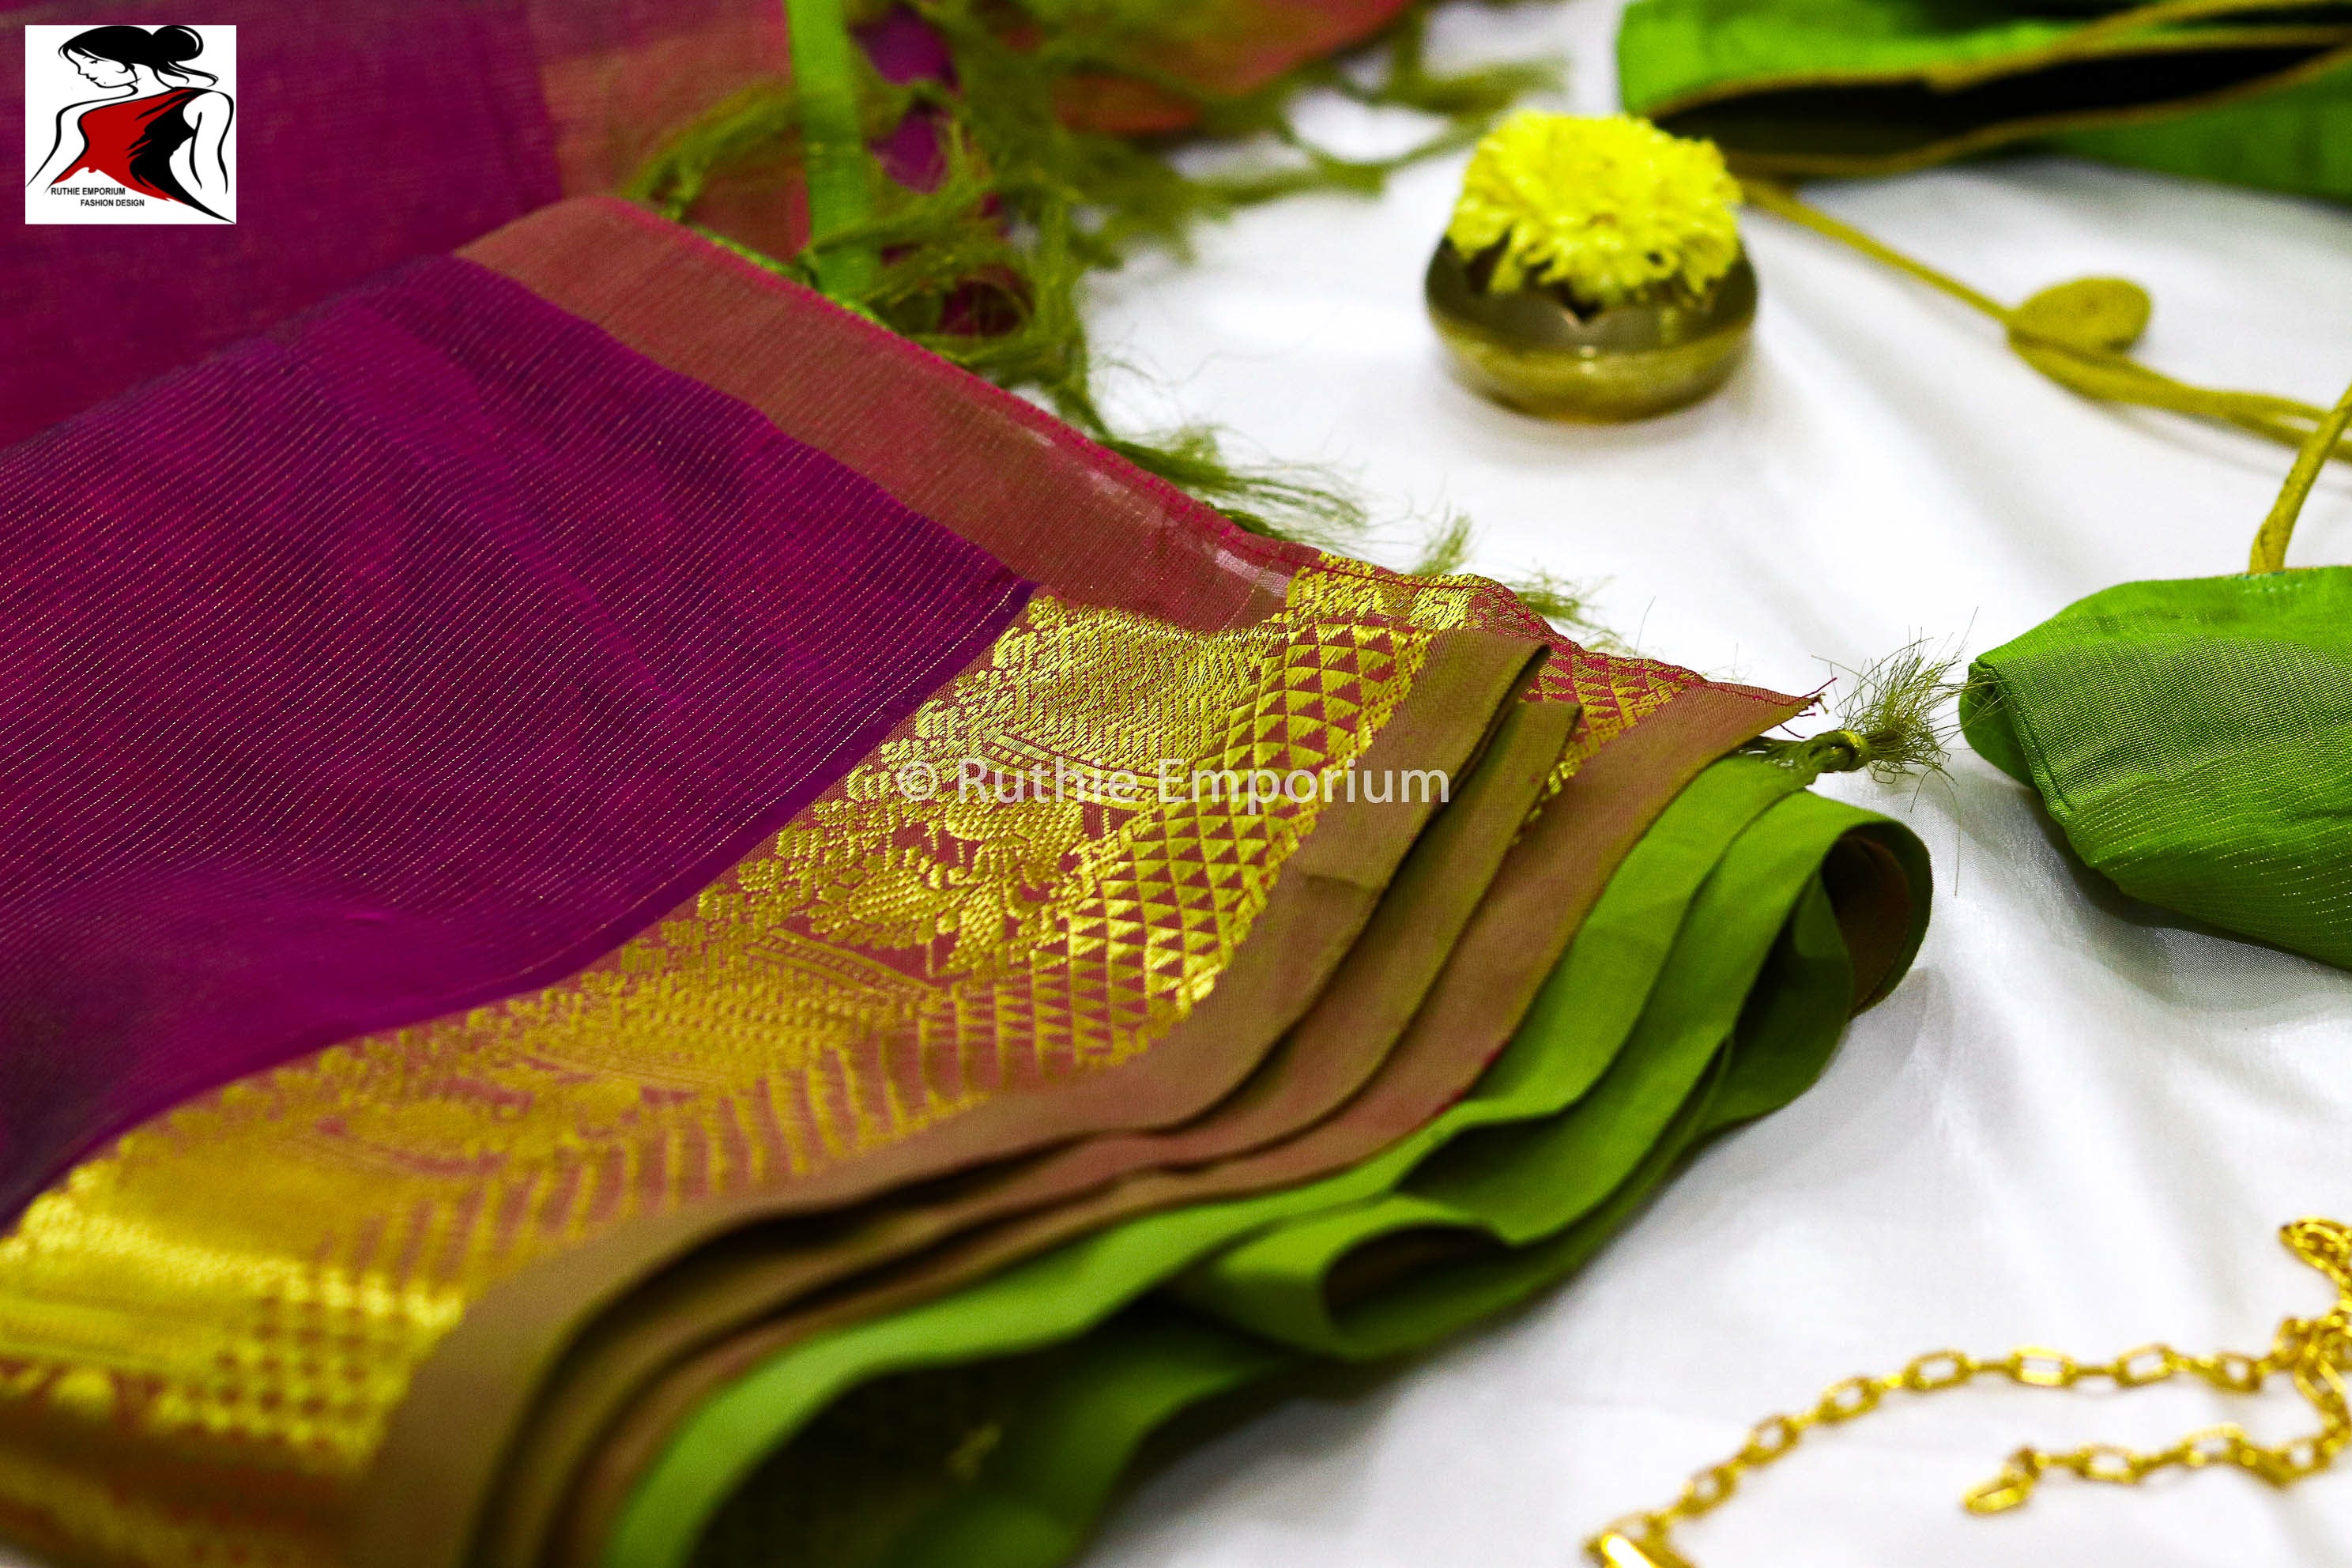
(404, 658)
(371, 132)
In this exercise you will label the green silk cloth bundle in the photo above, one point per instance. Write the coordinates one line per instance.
(2190, 738)
(2193, 739)
(2256, 94)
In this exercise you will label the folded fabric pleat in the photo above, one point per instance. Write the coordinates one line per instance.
(1319, 1064)
(1708, 987)
(1424, 1073)
(1040, 906)
(898, 988)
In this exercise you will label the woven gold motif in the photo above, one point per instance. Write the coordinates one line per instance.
(1613, 691)
(204, 1331)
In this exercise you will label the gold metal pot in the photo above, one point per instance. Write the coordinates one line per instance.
(1529, 348)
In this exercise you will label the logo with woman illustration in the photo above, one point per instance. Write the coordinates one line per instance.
(121, 128)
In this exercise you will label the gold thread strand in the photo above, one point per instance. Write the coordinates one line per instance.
(2316, 1353)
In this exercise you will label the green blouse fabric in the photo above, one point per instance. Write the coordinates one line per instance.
(989, 1428)
(1834, 87)
(2193, 739)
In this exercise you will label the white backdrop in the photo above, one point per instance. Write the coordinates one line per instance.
(2077, 1123)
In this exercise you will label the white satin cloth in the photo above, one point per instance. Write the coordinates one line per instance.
(2078, 1122)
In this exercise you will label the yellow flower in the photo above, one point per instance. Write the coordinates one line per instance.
(1613, 208)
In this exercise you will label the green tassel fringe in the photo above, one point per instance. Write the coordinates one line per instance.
(1895, 720)
(985, 270)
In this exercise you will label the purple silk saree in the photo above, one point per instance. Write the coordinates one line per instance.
(410, 657)
(370, 663)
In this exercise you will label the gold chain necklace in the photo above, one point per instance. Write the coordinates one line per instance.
(2317, 1353)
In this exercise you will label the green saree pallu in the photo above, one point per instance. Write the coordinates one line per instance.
(2224, 89)
(1707, 987)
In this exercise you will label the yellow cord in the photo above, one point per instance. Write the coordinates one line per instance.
(2270, 543)
(2079, 348)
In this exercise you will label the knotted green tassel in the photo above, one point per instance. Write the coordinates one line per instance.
(1895, 723)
